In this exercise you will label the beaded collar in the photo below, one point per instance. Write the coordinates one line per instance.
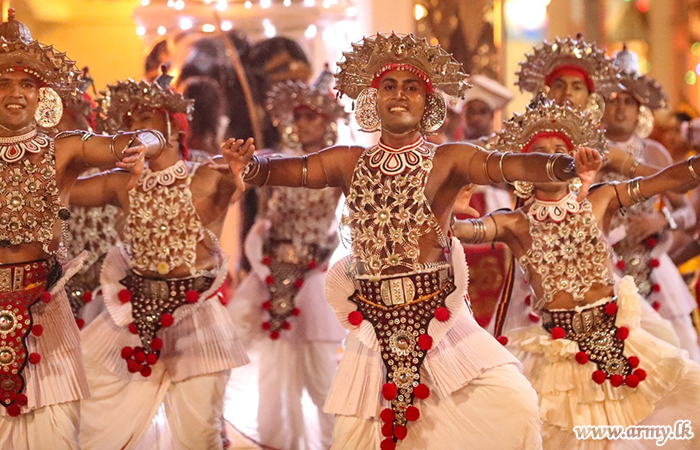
(165, 177)
(393, 161)
(13, 148)
(554, 210)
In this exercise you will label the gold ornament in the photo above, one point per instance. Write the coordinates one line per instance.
(50, 108)
(575, 184)
(434, 115)
(523, 189)
(595, 105)
(645, 122)
(366, 112)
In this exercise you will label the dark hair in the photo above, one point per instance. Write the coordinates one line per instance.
(209, 104)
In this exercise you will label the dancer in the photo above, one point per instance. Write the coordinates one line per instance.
(42, 377)
(590, 361)
(165, 337)
(402, 292)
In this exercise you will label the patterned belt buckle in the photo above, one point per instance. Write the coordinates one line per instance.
(157, 289)
(398, 291)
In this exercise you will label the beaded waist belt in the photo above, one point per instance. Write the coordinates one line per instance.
(599, 341)
(21, 286)
(153, 302)
(400, 309)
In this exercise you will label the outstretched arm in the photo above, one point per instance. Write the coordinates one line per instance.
(490, 228)
(316, 170)
(98, 190)
(623, 162)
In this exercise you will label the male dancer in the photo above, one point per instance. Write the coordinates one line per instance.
(165, 337)
(401, 293)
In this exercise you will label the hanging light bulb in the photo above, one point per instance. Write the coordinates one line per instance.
(265, 3)
(162, 30)
(310, 32)
(140, 31)
(221, 5)
(287, 3)
(248, 4)
(226, 25)
(186, 23)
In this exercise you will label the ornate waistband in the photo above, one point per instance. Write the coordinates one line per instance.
(165, 289)
(587, 320)
(402, 289)
(26, 275)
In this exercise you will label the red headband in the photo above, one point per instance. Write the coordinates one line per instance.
(569, 69)
(548, 134)
(393, 67)
(181, 119)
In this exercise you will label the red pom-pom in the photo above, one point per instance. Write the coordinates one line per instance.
(124, 296)
(656, 288)
(296, 312)
(611, 309)
(21, 399)
(425, 342)
(13, 410)
(87, 297)
(558, 333)
(127, 352)
(269, 279)
(582, 357)
(80, 322)
(634, 361)
(651, 242)
(599, 376)
(355, 318)
(191, 296)
(37, 330)
(156, 344)
(34, 358)
(167, 320)
(641, 374)
(389, 391)
(656, 306)
(266, 325)
(412, 413)
(503, 340)
(654, 263)
(616, 380)
(275, 335)
(421, 391)
(387, 415)
(267, 305)
(132, 366)
(400, 432)
(623, 333)
(266, 261)
(621, 264)
(528, 300)
(287, 326)
(133, 329)
(46, 296)
(442, 314)
(533, 317)
(140, 357)
(151, 359)
(313, 264)
(632, 380)
(146, 371)
(387, 444)
(299, 283)
(388, 429)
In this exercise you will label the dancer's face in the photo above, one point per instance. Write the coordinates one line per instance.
(19, 97)
(310, 127)
(401, 101)
(621, 114)
(571, 89)
(478, 119)
(148, 119)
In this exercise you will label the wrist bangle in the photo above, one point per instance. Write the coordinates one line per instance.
(691, 169)
(251, 170)
(304, 170)
(111, 146)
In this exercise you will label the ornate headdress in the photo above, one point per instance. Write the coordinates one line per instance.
(78, 102)
(644, 89)
(19, 52)
(544, 118)
(285, 98)
(546, 63)
(123, 98)
(361, 69)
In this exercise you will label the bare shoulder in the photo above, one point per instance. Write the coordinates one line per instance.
(457, 147)
(656, 153)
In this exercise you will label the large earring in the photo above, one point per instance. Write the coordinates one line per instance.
(523, 189)
(434, 115)
(366, 111)
(331, 136)
(289, 138)
(49, 109)
(595, 106)
(645, 122)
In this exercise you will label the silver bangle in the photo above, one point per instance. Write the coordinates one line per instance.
(500, 167)
(251, 170)
(634, 191)
(486, 167)
(479, 231)
(691, 169)
(304, 170)
(550, 167)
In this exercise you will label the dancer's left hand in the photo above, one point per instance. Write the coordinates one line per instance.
(588, 161)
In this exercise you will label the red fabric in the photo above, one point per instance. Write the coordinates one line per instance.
(569, 69)
(181, 119)
(394, 67)
(548, 134)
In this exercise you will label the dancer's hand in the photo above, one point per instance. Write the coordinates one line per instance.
(133, 161)
(462, 203)
(588, 161)
(238, 154)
